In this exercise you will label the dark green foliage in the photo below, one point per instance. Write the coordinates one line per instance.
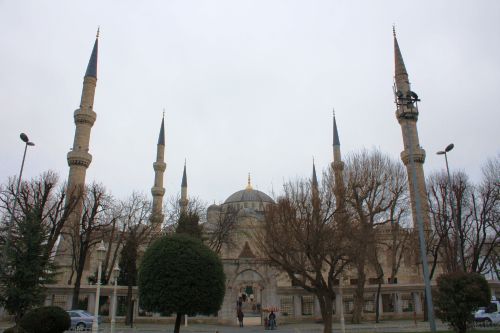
(47, 319)
(458, 295)
(179, 274)
(27, 268)
(128, 271)
(188, 225)
(128, 263)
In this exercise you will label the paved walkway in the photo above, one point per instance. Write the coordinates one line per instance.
(392, 326)
(368, 327)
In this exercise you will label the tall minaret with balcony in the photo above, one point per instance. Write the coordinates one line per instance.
(338, 169)
(407, 116)
(79, 160)
(183, 202)
(158, 190)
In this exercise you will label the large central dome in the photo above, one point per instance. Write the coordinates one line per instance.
(249, 195)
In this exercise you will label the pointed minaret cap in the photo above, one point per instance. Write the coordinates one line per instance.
(336, 141)
(161, 137)
(400, 73)
(92, 66)
(184, 177)
(314, 178)
(249, 183)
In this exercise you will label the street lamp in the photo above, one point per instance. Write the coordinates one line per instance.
(341, 296)
(452, 203)
(101, 251)
(116, 273)
(27, 142)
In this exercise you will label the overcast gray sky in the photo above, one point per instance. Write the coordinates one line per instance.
(248, 86)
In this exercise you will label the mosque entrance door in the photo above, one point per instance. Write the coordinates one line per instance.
(249, 287)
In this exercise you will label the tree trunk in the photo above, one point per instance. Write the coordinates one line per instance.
(128, 316)
(359, 295)
(78, 280)
(377, 300)
(177, 323)
(326, 308)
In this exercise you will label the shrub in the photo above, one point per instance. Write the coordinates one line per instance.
(458, 295)
(47, 319)
(179, 274)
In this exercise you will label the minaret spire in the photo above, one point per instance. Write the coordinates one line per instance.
(184, 199)
(92, 66)
(314, 178)
(413, 156)
(315, 194)
(79, 160)
(158, 190)
(338, 169)
(400, 73)
(161, 136)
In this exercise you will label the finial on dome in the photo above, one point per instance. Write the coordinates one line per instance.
(394, 30)
(97, 34)
(249, 183)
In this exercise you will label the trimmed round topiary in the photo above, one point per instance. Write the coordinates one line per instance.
(179, 274)
(47, 319)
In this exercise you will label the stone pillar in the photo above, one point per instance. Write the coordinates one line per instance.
(297, 306)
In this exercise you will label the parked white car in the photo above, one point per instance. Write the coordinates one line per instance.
(490, 314)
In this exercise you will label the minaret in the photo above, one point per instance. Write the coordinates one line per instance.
(184, 185)
(314, 181)
(407, 115)
(158, 190)
(338, 169)
(79, 160)
(315, 194)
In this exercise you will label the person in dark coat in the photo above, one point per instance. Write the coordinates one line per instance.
(272, 320)
(240, 317)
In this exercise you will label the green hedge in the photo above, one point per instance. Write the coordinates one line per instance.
(47, 319)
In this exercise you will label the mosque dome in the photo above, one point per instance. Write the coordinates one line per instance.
(213, 207)
(249, 195)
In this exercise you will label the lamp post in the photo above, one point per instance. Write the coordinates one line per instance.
(341, 296)
(27, 142)
(457, 247)
(116, 273)
(101, 251)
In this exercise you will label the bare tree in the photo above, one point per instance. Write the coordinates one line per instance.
(93, 225)
(219, 231)
(374, 193)
(476, 217)
(303, 235)
(43, 196)
(138, 232)
(172, 209)
(482, 239)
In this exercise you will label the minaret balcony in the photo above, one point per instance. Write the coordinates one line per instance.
(84, 117)
(157, 191)
(159, 166)
(81, 158)
(418, 155)
(338, 165)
